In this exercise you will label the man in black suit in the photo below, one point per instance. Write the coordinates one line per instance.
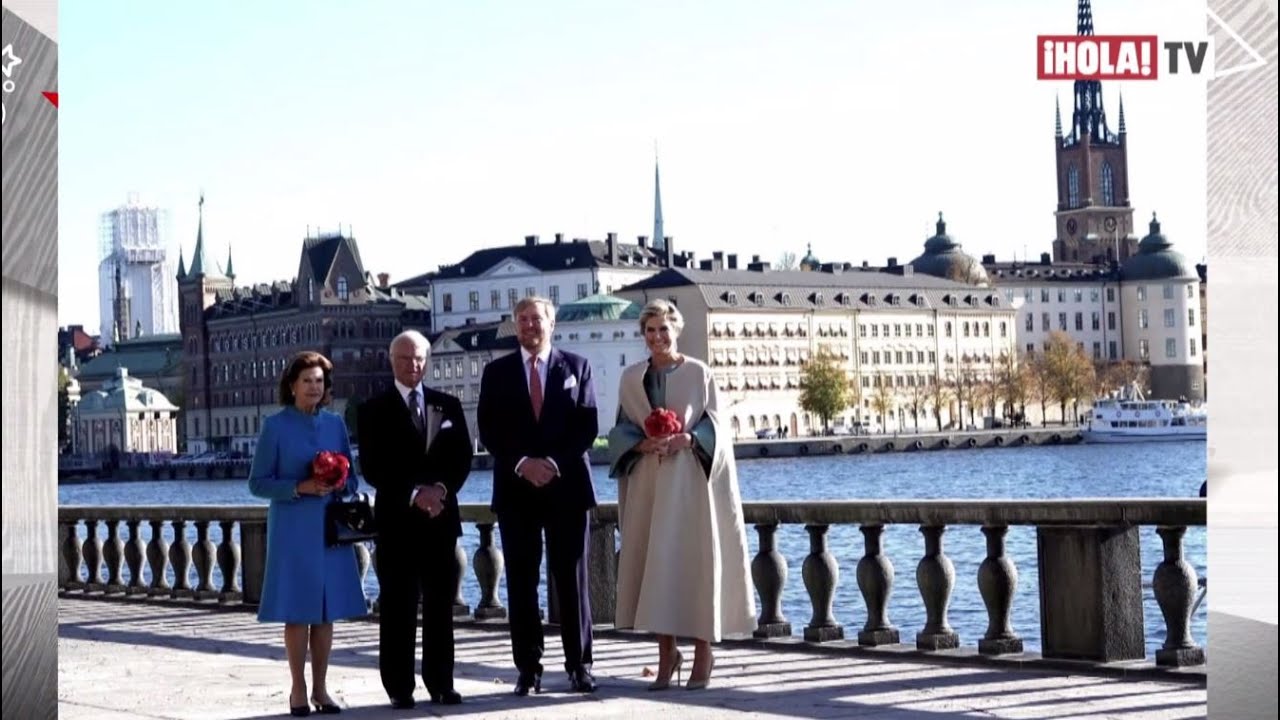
(415, 449)
(537, 418)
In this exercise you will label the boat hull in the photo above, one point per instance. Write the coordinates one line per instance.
(1093, 436)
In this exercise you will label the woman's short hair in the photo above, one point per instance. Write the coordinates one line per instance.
(306, 360)
(665, 309)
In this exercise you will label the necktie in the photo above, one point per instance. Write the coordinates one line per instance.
(415, 412)
(535, 387)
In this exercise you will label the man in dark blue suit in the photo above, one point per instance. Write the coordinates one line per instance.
(537, 418)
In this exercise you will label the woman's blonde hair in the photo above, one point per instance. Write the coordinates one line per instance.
(664, 309)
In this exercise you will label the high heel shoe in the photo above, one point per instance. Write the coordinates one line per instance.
(299, 710)
(664, 683)
(325, 708)
(702, 684)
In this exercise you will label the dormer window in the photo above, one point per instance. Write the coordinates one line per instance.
(895, 299)
(343, 291)
(816, 298)
(785, 299)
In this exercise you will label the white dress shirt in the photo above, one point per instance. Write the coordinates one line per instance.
(543, 356)
(422, 408)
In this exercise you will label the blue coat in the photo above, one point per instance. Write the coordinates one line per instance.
(306, 582)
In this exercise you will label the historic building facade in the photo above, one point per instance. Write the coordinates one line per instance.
(124, 416)
(237, 341)
(899, 331)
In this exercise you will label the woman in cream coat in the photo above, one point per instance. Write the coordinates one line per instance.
(683, 570)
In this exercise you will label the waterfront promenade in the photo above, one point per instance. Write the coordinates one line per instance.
(136, 659)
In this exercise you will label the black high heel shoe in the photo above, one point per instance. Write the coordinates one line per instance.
(299, 710)
(325, 708)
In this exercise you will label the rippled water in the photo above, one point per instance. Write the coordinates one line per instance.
(1079, 471)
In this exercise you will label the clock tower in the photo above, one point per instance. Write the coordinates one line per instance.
(1094, 217)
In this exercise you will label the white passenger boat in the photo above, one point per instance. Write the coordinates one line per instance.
(1127, 416)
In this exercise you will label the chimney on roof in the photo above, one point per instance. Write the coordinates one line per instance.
(384, 279)
(530, 240)
(611, 240)
(642, 241)
(893, 262)
(707, 265)
(755, 258)
(559, 238)
(988, 259)
(865, 265)
(666, 248)
(757, 266)
(733, 261)
(717, 260)
(1045, 259)
(908, 270)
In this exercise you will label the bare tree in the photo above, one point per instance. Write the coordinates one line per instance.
(787, 261)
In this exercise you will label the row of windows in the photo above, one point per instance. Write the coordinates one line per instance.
(897, 357)
(306, 333)
(512, 297)
(1046, 295)
(1144, 349)
(1170, 318)
(902, 329)
(1107, 186)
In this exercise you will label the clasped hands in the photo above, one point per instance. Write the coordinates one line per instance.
(538, 471)
(664, 445)
(313, 486)
(430, 500)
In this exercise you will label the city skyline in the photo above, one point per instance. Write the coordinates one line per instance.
(775, 129)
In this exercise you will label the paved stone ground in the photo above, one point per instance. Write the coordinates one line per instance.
(123, 660)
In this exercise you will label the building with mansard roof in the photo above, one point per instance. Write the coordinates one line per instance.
(891, 329)
(124, 416)
(238, 340)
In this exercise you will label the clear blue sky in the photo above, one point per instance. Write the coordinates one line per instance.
(435, 128)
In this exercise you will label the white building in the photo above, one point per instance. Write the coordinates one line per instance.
(487, 284)
(127, 417)
(904, 333)
(137, 286)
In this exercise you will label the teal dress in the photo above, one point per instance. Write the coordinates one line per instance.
(305, 581)
(625, 434)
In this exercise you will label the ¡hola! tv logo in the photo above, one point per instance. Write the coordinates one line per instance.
(1136, 57)
(1120, 57)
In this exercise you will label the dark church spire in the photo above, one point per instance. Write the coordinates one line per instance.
(1088, 120)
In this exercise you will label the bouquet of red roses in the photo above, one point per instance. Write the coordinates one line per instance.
(330, 469)
(662, 422)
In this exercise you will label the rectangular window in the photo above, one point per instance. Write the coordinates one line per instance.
(1170, 348)
(1143, 321)
(897, 330)
(1044, 322)
(1111, 320)
(897, 357)
(1168, 292)
(1112, 352)
(530, 292)
(1191, 292)
(1193, 347)
(875, 357)
(1191, 317)
(1031, 322)
(875, 330)
(1142, 292)
(1144, 350)
(863, 357)
(1170, 318)
(513, 297)
(1097, 350)
(1062, 322)
(1044, 295)
(1111, 295)
(1029, 294)
(473, 300)
(1008, 296)
(1078, 294)
(1096, 320)
(448, 302)
(554, 294)
(1062, 295)
(862, 330)
(1031, 348)
(1079, 321)
(582, 290)
(495, 300)
(1093, 295)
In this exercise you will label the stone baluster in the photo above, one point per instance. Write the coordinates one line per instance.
(374, 604)
(460, 607)
(180, 559)
(936, 576)
(203, 555)
(602, 571)
(363, 562)
(229, 564)
(875, 581)
(158, 559)
(998, 581)
(113, 555)
(72, 556)
(93, 557)
(821, 573)
(769, 573)
(1175, 586)
(135, 554)
(488, 568)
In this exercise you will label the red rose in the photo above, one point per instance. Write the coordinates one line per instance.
(331, 468)
(662, 422)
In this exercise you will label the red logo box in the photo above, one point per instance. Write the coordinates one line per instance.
(1096, 57)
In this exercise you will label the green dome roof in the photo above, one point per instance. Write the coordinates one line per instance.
(598, 307)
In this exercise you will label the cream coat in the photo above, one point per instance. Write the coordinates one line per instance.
(683, 568)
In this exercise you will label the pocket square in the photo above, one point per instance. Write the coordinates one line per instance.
(446, 424)
(570, 382)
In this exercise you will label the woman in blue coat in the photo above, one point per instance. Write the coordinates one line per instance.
(307, 585)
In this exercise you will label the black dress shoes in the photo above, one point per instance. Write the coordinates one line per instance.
(581, 681)
(404, 702)
(527, 682)
(446, 697)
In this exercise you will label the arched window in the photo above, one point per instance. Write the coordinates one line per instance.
(1073, 187)
(1108, 185)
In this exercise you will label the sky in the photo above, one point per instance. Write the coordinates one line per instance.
(432, 129)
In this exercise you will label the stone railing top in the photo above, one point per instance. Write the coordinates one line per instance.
(1091, 511)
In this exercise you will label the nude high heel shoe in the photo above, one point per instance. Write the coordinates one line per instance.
(703, 683)
(664, 683)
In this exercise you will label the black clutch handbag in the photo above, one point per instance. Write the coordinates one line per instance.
(349, 520)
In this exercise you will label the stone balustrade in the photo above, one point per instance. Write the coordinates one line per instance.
(1088, 556)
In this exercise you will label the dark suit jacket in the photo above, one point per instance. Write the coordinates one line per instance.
(394, 458)
(565, 431)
